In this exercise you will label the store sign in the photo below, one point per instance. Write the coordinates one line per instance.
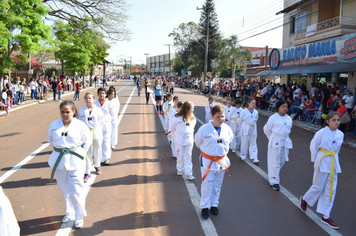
(336, 50)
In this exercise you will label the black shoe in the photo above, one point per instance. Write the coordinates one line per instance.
(276, 187)
(205, 213)
(107, 162)
(214, 210)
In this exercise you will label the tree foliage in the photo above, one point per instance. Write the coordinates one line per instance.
(107, 16)
(184, 35)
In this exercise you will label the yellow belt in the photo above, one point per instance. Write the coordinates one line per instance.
(332, 154)
(253, 130)
(233, 119)
(166, 112)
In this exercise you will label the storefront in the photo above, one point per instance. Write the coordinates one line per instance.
(330, 60)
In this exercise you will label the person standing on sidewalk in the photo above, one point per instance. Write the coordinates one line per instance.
(277, 130)
(138, 84)
(93, 117)
(60, 90)
(249, 117)
(70, 139)
(325, 148)
(213, 139)
(54, 88)
(158, 97)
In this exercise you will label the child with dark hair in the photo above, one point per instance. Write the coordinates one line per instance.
(235, 125)
(277, 130)
(208, 108)
(325, 148)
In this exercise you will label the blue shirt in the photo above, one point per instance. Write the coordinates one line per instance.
(158, 90)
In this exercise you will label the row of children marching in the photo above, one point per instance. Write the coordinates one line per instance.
(236, 128)
(80, 140)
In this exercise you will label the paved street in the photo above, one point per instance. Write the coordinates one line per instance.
(140, 193)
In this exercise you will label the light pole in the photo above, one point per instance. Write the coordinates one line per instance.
(206, 44)
(147, 63)
(169, 56)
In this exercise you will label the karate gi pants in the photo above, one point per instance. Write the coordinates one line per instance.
(236, 141)
(71, 185)
(106, 146)
(184, 159)
(97, 150)
(173, 146)
(247, 147)
(211, 187)
(276, 157)
(320, 191)
(8, 221)
(115, 132)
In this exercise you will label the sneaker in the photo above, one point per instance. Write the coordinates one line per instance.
(113, 147)
(276, 187)
(256, 161)
(107, 162)
(190, 177)
(161, 112)
(157, 112)
(214, 210)
(233, 150)
(205, 213)
(243, 158)
(98, 170)
(86, 177)
(329, 222)
(66, 219)
(79, 223)
(303, 204)
(179, 173)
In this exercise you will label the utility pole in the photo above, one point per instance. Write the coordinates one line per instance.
(206, 45)
(169, 56)
(147, 62)
(266, 58)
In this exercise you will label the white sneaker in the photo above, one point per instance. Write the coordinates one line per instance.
(79, 223)
(66, 219)
(113, 147)
(179, 173)
(233, 150)
(256, 161)
(190, 177)
(243, 158)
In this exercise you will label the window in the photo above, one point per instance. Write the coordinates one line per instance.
(292, 25)
(302, 21)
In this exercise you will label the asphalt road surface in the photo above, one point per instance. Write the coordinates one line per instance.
(140, 193)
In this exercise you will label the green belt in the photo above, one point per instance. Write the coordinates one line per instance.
(61, 152)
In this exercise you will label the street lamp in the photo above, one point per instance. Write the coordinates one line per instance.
(169, 56)
(147, 63)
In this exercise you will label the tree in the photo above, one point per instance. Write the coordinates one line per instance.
(107, 16)
(184, 35)
(234, 54)
(21, 29)
(214, 33)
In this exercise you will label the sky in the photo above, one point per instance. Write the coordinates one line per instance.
(152, 21)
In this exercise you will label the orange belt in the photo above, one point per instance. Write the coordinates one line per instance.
(213, 158)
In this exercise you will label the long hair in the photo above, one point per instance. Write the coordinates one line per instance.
(72, 105)
(113, 89)
(186, 111)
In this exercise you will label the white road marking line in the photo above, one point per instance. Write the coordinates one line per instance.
(23, 162)
(66, 228)
(207, 225)
(290, 196)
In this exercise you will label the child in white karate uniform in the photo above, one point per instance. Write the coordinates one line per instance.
(182, 128)
(111, 95)
(208, 108)
(8, 221)
(172, 111)
(166, 107)
(93, 117)
(71, 140)
(227, 109)
(277, 130)
(235, 125)
(249, 117)
(108, 110)
(213, 139)
(325, 149)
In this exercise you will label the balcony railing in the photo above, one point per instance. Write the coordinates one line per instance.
(330, 23)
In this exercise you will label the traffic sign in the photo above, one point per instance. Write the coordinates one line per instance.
(189, 73)
(208, 73)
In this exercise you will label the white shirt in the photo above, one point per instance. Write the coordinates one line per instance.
(247, 117)
(182, 132)
(93, 120)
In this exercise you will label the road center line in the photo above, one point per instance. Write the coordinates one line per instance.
(207, 225)
(66, 228)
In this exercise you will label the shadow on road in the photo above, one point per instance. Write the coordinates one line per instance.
(40, 225)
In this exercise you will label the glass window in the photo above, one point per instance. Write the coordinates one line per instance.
(292, 25)
(301, 21)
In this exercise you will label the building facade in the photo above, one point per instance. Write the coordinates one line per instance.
(319, 43)
(159, 65)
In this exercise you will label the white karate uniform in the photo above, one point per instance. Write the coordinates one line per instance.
(8, 222)
(207, 140)
(320, 190)
(183, 136)
(115, 121)
(249, 133)
(208, 112)
(166, 107)
(235, 125)
(171, 113)
(277, 130)
(95, 124)
(109, 115)
(70, 170)
(227, 114)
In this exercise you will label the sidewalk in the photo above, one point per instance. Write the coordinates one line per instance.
(349, 135)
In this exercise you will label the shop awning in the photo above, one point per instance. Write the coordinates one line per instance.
(311, 70)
